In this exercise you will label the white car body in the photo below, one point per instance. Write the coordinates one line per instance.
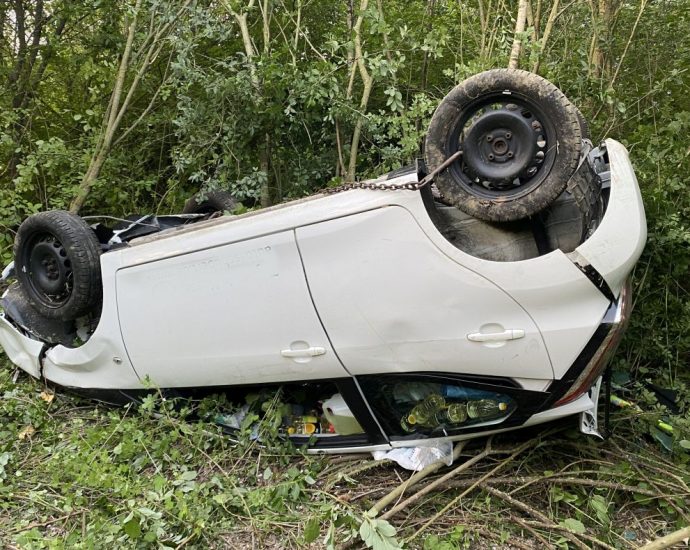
(344, 286)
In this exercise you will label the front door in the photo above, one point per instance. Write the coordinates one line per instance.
(238, 313)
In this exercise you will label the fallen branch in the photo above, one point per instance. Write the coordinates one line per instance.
(561, 529)
(431, 486)
(414, 480)
(563, 481)
(664, 542)
(41, 523)
(453, 502)
(527, 527)
(542, 519)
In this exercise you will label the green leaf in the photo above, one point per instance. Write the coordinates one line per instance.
(684, 443)
(574, 525)
(384, 528)
(132, 528)
(312, 530)
(189, 475)
(366, 532)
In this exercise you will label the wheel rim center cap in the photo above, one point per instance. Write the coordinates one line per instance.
(500, 146)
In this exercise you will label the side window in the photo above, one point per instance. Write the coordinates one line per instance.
(426, 406)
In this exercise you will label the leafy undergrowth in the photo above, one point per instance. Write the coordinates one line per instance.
(76, 474)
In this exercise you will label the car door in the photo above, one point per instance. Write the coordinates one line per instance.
(236, 313)
(391, 301)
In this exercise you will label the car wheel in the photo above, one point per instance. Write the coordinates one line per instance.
(210, 202)
(57, 263)
(584, 125)
(521, 142)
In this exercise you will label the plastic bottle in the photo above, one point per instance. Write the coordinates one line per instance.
(434, 402)
(304, 425)
(419, 415)
(485, 408)
(455, 413)
(405, 424)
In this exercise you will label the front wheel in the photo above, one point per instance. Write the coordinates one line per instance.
(520, 139)
(57, 259)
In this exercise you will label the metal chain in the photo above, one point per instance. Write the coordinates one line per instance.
(410, 186)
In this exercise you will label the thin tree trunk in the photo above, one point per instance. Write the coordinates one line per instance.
(517, 38)
(547, 33)
(297, 25)
(118, 106)
(266, 12)
(368, 82)
(107, 133)
(250, 52)
(431, 8)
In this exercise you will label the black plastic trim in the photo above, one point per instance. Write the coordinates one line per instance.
(595, 277)
(528, 401)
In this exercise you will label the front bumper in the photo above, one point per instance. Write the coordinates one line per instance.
(616, 245)
(23, 351)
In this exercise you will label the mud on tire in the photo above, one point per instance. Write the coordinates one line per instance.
(521, 140)
(57, 263)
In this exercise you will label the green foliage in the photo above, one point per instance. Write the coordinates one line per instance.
(143, 475)
(205, 123)
(377, 534)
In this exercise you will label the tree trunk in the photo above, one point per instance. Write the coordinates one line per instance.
(106, 138)
(250, 52)
(368, 82)
(517, 38)
(547, 33)
(150, 49)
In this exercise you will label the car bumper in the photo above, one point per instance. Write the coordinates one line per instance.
(617, 244)
(23, 351)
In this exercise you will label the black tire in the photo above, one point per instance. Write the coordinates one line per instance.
(57, 261)
(210, 202)
(521, 143)
(584, 125)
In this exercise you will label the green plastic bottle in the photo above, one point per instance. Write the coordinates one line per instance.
(419, 415)
(434, 402)
(455, 413)
(405, 424)
(486, 408)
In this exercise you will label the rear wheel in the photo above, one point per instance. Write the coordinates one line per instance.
(521, 142)
(57, 263)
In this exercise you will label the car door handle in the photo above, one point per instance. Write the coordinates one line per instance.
(308, 352)
(509, 334)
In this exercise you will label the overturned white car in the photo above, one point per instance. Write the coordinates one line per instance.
(392, 312)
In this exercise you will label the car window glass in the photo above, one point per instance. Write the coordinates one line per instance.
(406, 406)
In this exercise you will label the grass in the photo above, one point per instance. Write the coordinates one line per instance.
(77, 474)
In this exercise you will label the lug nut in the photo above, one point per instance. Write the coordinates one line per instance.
(489, 138)
(510, 154)
(491, 157)
(508, 135)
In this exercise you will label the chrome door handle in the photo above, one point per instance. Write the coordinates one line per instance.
(509, 334)
(308, 352)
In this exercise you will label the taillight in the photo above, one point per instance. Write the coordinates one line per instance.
(596, 365)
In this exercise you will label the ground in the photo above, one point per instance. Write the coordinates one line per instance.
(78, 474)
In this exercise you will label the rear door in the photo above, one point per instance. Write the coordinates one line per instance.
(238, 313)
(391, 301)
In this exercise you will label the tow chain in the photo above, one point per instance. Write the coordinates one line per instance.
(382, 186)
